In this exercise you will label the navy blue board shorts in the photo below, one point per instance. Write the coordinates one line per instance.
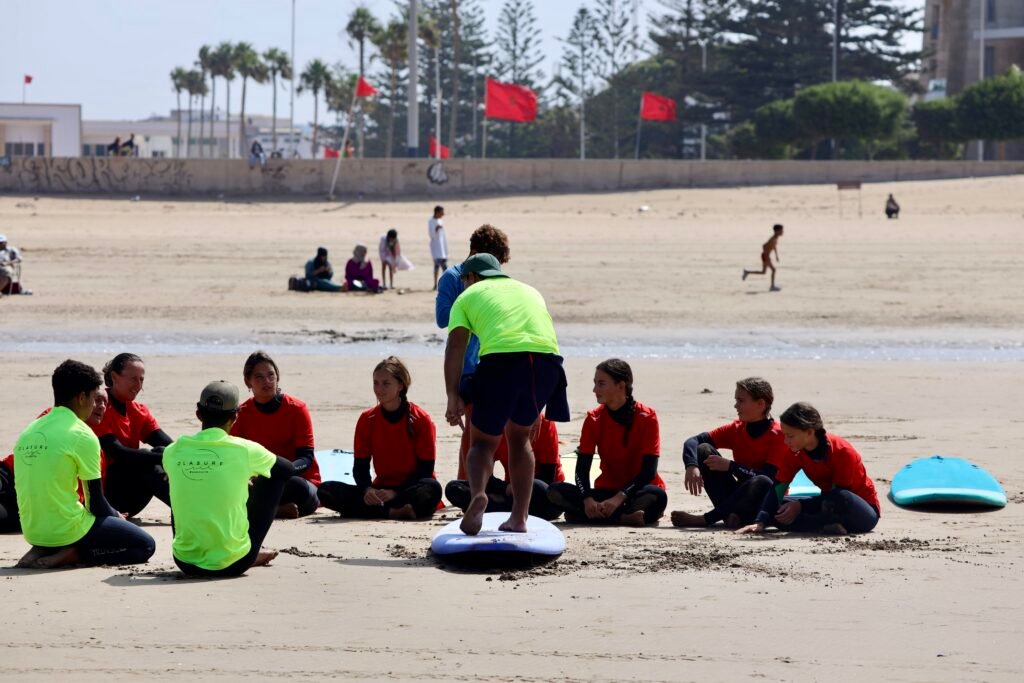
(517, 387)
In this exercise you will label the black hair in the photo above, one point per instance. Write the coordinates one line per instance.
(803, 416)
(619, 371)
(438, 208)
(117, 365)
(254, 359)
(392, 234)
(777, 227)
(759, 390)
(211, 417)
(72, 379)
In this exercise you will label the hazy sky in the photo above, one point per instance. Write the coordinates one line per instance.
(114, 57)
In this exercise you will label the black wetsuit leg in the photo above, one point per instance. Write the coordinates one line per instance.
(423, 495)
(540, 505)
(838, 506)
(651, 499)
(9, 519)
(569, 499)
(129, 487)
(458, 494)
(720, 486)
(745, 501)
(302, 493)
(347, 499)
(113, 540)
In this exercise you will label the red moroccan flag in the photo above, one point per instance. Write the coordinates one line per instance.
(364, 89)
(657, 108)
(330, 153)
(432, 149)
(510, 102)
(28, 79)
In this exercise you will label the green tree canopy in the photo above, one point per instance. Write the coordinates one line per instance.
(993, 109)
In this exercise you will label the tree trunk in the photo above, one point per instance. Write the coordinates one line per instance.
(391, 113)
(227, 115)
(213, 115)
(316, 118)
(202, 121)
(453, 116)
(177, 148)
(241, 123)
(273, 122)
(188, 136)
(359, 114)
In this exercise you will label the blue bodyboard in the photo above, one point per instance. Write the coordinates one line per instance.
(939, 479)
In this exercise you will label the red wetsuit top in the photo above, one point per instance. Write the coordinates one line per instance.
(752, 454)
(842, 467)
(393, 450)
(621, 462)
(281, 432)
(131, 429)
(8, 462)
(545, 450)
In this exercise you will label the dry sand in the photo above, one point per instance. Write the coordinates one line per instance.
(907, 335)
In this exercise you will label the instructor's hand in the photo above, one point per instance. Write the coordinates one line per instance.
(456, 410)
(788, 512)
(694, 482)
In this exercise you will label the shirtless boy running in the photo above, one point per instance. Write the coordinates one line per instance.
(766, 259)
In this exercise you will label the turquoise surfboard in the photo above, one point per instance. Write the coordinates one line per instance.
(802, 487)
(939, 479)
(336, 465)
(541, 538)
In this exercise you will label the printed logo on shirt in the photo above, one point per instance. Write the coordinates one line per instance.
(200, 465)
(32, 448)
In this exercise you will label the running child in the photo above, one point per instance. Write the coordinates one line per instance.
(848, 502)
(398, 438)
(758, 447)
(766, 256)
(626, 434)
(280, 423)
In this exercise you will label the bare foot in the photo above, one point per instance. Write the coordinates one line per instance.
(288, 511)
(264, 557)
(64, 557)
(514, 525)
(680, 518)
(473, 519)
(634, 518)
(745, 274)
(31, 557)
(733, 521)
(405, 512)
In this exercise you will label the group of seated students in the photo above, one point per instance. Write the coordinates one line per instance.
(358, 273)
(81, 468)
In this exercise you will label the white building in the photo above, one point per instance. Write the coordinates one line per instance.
(40, 130)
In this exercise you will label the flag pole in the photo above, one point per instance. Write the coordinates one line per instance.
(484, 154)
(344, 141)
(639, 121)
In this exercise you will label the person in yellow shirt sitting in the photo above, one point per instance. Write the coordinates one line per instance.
(220, 514)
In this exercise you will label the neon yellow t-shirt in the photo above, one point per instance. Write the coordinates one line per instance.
(507, 315)
(209, 478)
(51, 456)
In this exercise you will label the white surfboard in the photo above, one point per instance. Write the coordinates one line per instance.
(541, 538)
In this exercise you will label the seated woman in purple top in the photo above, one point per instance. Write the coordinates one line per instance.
(359, 272)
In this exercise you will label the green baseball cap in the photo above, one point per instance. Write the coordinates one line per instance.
(484, 265)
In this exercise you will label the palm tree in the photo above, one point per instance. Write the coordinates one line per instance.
(195, 84)
(393, 45)
(361, 27)
(453, 115)
(316, 77)
(278, 63)
(178, 76)
(249, 66)
(222, 65)
(204, 68)
(430, 34)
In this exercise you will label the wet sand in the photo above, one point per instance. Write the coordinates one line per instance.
(928, 596)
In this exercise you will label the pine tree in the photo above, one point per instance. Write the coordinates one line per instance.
(616, 47)
(580, 60)
(518, 58)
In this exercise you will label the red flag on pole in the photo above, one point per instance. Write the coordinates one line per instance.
(510, 102)
(364, 89)
(432, 149)
(657, 108)
(330, 153)
(28, 79)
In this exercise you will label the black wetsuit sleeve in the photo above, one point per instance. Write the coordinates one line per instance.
(546, 473)
(769, 506)
(424, 469)
(690, 448)
(768, 470)
(118, 453)
(583, 463)
(740, 472)
(159, 439)
(303, 459)
(361, 473)
(648, 470)
(282, 469)
(98, 505)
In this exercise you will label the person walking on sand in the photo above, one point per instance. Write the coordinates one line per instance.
(520, 372)
(766, 256)
(438, 243)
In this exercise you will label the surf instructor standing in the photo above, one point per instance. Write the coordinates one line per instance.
(520, 372)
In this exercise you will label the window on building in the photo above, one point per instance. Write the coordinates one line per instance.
(41, 149)
(86, 150)
(101, 150)
(990, 61)
(28, 149)
(9, 149)
(990, 11)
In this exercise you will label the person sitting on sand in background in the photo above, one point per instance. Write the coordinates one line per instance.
(391, 257)
(55, 456)
(359, 272)
(520, 372)
(438, 242)
(766, 256)
(219, 513)
(486, 239)
(848, 502)
(9, 258)
(626, 435)
(892, 207)
(547, 471)
(280, 423)
(319, 273)
(257, 157)
(132, 475)
(398, 438)
(758, 447)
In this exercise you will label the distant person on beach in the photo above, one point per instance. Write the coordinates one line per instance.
(626, 435)
(55, 456)
(766, 256)
(225, 491)
(520, 372)
(398, 438)
(10, 257)
(280, 423)
(892, 208)
(257, 157)
(438, 242)
(848, 502)
(114, 148)
(486, 239)
(128, 149)
(391, 257)
(758, 447)
(133, 475)
(319, 273)
(547, 471)
(359, 272)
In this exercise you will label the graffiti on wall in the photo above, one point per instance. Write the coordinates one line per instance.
(96, 175)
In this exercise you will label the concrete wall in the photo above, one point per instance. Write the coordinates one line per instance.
(401, 178)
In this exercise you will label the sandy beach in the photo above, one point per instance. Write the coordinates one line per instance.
(908, 335)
